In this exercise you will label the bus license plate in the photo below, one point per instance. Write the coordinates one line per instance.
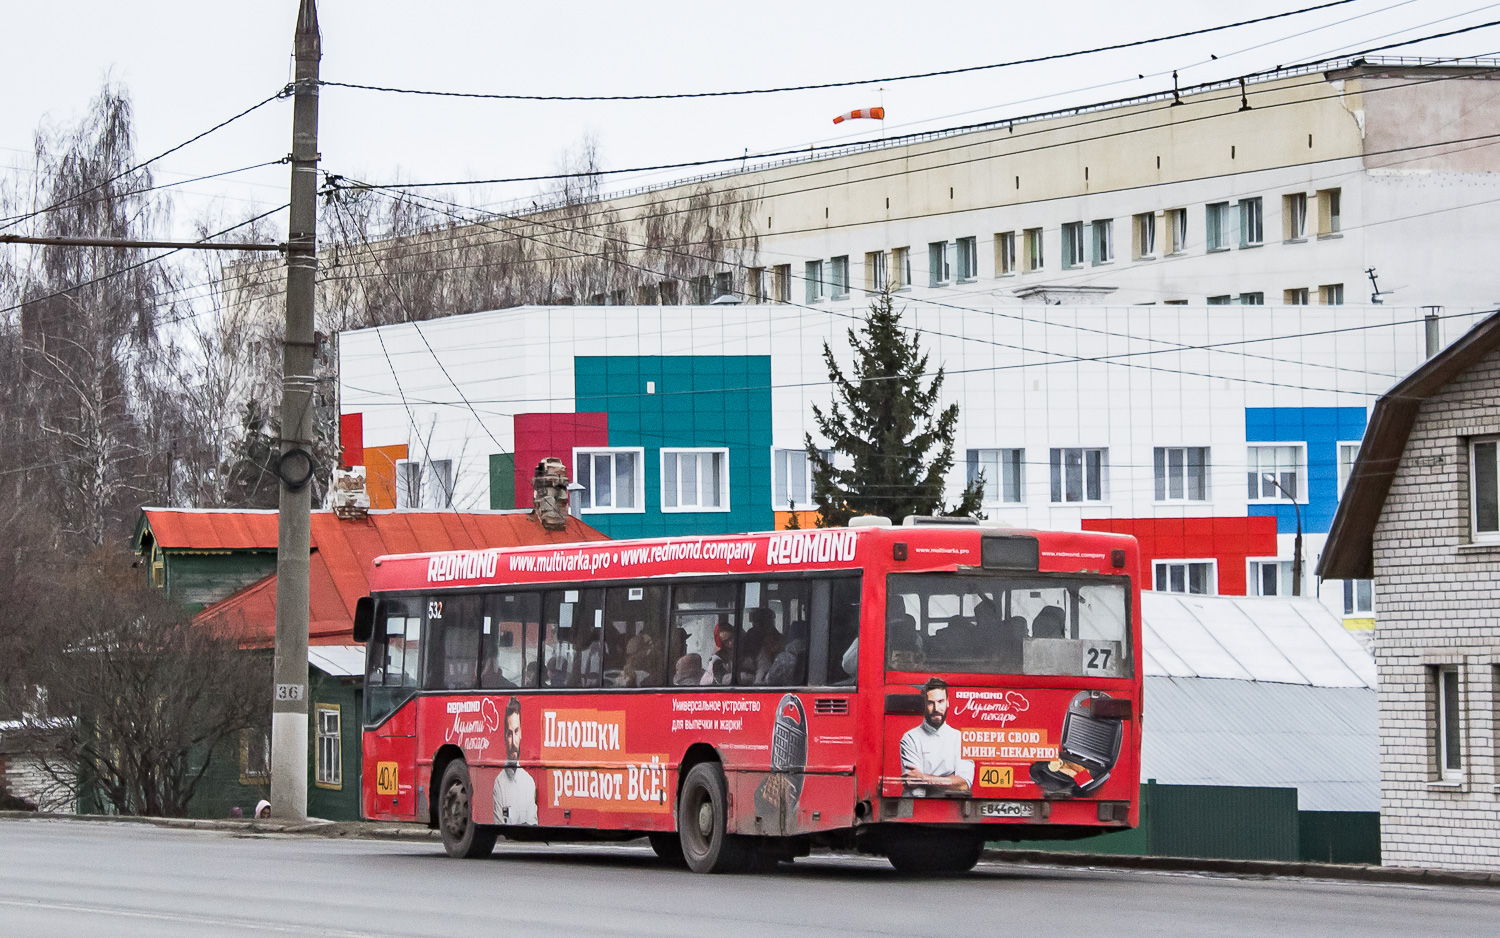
(1005, 809)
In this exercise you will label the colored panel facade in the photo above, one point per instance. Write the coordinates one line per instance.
(502, 481)
(380, 473)
(352, 439)
(1321, 430)
(699, 402)
(1229, 541)
(541, 435)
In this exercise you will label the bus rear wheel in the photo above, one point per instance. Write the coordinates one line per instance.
(923, 852)
(703, 823)
(462, 838)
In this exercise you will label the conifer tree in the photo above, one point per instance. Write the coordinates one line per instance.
(884, 420)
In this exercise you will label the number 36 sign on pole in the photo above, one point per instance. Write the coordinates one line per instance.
(289, 691)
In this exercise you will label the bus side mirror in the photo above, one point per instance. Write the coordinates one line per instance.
(364, 619)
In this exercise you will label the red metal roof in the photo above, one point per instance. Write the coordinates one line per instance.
(212, 528)
(342, 555)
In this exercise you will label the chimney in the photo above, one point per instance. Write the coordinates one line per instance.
(1434, 339)
(549, 494)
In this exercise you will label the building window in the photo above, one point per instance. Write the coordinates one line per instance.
(1103, 240)
(783, 282)
(1252, 299)
(755, 284)
(1348, 453)
(813, 278)
(1252, 218)
(723, 284)
(330, 753)
(1330, 214)
(1072, 244)
(840, 280)
(1294, 216)
(1216, 225)
(900, 268)
(1271, 577)
(1359, 597)
(1002, 470)
(1185, 576)
(428, 487)
(938, 270)
(1034, 258)
(1331, 294)
(876, 278)
(1176, 230)
(1297, 296)
(968, 258)
(1079, 475)
(791, 479)
(1144, 231)
(1276, 465)
(695, 480)
(1485, 488)
(1005, 253)
(703, 290)
(1220, 300)
(1181, 473)
(1447, 722)
(255, 757)
(611, 478)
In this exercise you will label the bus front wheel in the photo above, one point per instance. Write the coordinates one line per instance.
(703, 823)
(918, 851)
(462, 838)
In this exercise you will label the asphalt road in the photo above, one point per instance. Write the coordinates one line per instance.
(61, 878)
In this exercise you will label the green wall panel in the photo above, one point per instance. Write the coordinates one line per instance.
(502, 481)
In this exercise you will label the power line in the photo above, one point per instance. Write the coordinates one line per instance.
(142, 165)
(842, 84)
(169, 185)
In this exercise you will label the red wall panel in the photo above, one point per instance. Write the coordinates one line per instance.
(541, 435)
(1230, 541)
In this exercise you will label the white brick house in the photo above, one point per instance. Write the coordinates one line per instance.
(1422, 514)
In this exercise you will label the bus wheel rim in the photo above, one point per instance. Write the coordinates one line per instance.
(706, 819)
(456, 817)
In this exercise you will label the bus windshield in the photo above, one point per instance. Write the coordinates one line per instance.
(999, 624)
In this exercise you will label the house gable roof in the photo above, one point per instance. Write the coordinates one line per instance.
(1348, 553)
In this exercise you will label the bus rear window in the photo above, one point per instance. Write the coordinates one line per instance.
(991, 624)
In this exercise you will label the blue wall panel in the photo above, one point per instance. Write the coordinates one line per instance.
(697, 401)
(1322, 429)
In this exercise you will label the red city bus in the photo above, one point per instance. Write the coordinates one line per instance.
(912, 691)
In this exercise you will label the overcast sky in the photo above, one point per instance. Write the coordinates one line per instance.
(189, 65)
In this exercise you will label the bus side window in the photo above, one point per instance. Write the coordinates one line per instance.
(701, 636)
(453, 642)
(508, 632)
(772, 648)
(842, 638)
(391, 659)
(572, 638)
(635, 635)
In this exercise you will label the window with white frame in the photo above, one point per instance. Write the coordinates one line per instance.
(1216, 225)
(1447, 722)
(1296, 296)
(1176, 230)
(876, 278)
(1484, 485)
(1079, 474)
(1220, 300)
(755, 285)
(967, 258)
(1005, 253)
(1035, 259)
(1271, 577)
(1252, 299)
(783, 282)
(1359, 597)
(1103, 240)
(840, 281)
(1331, 294)
(330, 755)
(1002, 472)
(813, 280)
(939, 272)
(1072, 244)
(429, 486)
(1348, 453)
(1252, 222)
(1145, 235)
(695, 480)
(791, 479)
(900, 268)
(1186, 576)
(1330, 212)
(1294, 216)
(612, 479)
(1274, 472)
(1181, 473)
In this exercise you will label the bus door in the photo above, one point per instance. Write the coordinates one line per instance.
(392, 667)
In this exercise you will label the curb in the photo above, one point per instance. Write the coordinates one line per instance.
(1266, 868)
(363, 830)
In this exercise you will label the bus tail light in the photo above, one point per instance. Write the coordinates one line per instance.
(1113, 708)
(906, 703)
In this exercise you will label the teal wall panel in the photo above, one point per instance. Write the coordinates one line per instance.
(657, 402)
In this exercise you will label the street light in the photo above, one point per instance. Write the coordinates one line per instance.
(1297, 544)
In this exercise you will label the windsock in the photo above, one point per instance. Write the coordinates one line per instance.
(873, 113)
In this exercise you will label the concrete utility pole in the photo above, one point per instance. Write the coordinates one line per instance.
(294, 523)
